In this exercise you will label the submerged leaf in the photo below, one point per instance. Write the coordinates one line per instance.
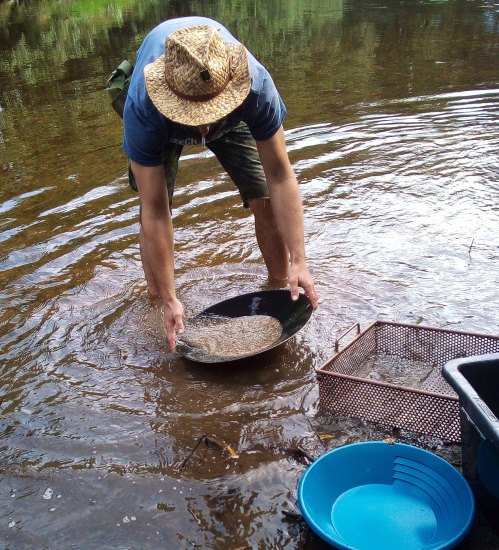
(218, 443)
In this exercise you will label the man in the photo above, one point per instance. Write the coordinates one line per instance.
(194, 82)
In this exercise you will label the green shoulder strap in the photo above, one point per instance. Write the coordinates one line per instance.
(117, 85)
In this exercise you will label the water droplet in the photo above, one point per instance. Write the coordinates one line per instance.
(47, 495)
(126, 519)
(12, 523)
(51, 509)
(133, 518)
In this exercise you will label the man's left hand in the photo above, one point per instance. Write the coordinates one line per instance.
(299, 276)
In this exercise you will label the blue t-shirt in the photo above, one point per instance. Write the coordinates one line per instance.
(147, 131)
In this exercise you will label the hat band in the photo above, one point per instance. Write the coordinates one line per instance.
(200, 97)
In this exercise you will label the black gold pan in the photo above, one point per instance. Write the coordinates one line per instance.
(292, 315)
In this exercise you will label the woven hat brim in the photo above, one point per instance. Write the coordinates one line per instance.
(197, 113)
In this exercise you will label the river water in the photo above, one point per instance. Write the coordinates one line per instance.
(392, 129)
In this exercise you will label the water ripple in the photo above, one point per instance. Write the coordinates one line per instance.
(401, 223)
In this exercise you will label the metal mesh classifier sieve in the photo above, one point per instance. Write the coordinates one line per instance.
(391, 373)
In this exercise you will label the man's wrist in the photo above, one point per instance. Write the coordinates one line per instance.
(168, 298)
(298, 260)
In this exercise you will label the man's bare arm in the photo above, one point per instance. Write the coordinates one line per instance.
(157, 243)
(287, 205)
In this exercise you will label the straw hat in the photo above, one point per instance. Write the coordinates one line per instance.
(200, 78)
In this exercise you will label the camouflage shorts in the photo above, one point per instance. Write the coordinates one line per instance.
(237, 153)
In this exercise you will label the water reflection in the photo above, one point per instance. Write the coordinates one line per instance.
(392, 131)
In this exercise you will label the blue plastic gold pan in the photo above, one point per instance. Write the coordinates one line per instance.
(377, 495)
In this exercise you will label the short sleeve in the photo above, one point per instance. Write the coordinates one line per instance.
(144, 136)
(265, 110)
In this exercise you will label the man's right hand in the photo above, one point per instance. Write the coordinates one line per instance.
(173, 320)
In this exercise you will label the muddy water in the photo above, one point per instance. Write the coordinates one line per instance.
(392, 130)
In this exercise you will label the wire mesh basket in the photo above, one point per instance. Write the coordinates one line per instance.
(390, 373)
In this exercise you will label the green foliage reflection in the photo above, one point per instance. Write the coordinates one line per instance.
(325, 55)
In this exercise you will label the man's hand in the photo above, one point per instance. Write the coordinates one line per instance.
(299, 276)
(174, 320)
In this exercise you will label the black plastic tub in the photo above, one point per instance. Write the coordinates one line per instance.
(476, 381)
